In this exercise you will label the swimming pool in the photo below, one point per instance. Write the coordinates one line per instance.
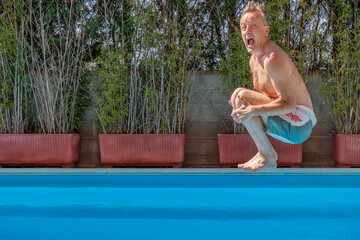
(179, 204)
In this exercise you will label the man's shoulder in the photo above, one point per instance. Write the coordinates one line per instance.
(276, 57)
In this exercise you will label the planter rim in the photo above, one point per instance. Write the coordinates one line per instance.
(345, 134)
(232, 134)
(42, 134)
(147, 134)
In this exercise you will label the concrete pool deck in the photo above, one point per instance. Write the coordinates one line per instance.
(187, 171)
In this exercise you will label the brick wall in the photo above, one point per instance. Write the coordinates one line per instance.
(209, 114)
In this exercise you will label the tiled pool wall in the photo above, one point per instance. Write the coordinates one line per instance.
(209, 115)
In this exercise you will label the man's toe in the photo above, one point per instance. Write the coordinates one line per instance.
(247, 167)
(241, 165)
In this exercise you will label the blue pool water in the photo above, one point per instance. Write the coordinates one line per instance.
(230, 205)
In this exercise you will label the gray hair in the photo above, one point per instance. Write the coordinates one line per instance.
(250, 7)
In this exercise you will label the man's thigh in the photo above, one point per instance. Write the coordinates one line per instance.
(264, 119)
(253, 97)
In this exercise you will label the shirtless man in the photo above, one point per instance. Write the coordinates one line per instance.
(281, 105)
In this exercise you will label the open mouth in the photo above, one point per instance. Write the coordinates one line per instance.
(250, 41)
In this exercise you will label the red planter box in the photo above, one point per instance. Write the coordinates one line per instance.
(142, 149)
(39, 150)
(346, 150)
(240, 148)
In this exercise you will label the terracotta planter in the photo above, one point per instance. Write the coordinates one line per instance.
(39, 150)
(240, 148)
(346, 150)
(142, 149)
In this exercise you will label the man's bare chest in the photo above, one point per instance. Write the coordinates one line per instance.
(262, 81)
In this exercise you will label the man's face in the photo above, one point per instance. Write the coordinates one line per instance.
(253, 31)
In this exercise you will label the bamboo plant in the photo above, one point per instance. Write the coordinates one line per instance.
(343, 86)
(144, 82)
(41, 54)
(14, 97)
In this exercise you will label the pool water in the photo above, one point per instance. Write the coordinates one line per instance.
(179, 212)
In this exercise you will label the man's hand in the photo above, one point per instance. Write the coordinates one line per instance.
(243, 113)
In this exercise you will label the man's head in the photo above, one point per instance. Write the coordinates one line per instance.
(254, 26)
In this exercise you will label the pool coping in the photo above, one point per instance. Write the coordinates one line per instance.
(186, 171)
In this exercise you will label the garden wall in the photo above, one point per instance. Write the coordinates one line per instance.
(209, 114)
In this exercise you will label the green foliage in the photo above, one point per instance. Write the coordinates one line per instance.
(112, 91)
(235, 65)
(13, 98)
(143, 86)
(41, 76)
(343, 87)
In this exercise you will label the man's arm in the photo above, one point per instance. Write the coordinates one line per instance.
(279, 69)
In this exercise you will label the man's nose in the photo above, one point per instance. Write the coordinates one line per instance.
(248, 31)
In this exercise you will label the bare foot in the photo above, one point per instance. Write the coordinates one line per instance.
(264, 162)
(243, 165)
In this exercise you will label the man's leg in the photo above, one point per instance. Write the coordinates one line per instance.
(266, 157)
(250, 96)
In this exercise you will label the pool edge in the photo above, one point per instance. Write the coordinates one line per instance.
(187, 171)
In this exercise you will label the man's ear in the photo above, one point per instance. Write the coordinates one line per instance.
(267, 30)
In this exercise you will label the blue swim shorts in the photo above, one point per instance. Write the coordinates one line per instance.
(294, 127)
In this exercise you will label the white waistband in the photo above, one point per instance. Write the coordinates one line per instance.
(309, 112)
(300, 116)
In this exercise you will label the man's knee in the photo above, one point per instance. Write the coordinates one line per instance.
(243, 93)
(236, 92)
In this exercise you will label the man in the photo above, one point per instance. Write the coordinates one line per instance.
(281, 105)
